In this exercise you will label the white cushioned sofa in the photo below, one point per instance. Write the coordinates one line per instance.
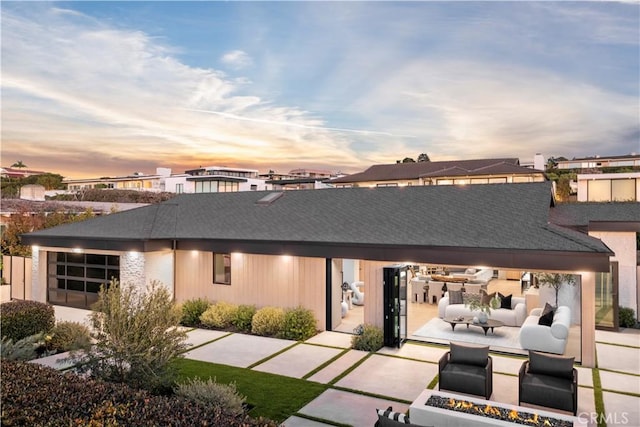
(551, 339)
(513, 317)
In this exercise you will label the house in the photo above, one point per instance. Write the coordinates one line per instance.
(462, 172)
(293, 248)
(609, 187)
(595, 163)
(617, 225)
(19, 172)
(136, 181)
(299, 179)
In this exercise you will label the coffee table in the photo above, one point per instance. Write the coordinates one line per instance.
(489, 324)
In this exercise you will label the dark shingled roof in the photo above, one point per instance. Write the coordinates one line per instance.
(400, 171)
(598, 216)
(499, 218)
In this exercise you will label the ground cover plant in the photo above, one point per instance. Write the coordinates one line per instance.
(35, 395)
(271, 396)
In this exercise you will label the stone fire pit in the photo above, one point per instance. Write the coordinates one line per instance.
(441, 408)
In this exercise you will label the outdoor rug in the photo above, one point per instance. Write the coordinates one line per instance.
(439, 330)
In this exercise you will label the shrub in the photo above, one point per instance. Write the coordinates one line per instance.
(268, 321)
(192, 310)
(136, 338)
(626, 317)
(371, 338)
(242, 319)
(24, 349)
(222, 396)
(299, 324)
(66, 336)
(20, 319)
(219, 315)
(33, 394)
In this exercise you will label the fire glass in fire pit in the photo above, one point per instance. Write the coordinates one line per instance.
(496, 412)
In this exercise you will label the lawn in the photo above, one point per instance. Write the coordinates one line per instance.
(271, 396)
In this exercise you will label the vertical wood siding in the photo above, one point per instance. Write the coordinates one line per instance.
(261, 280)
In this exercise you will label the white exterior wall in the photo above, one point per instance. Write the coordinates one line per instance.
(624, 246)
(159, 266)
(171, 182)
(583, 179)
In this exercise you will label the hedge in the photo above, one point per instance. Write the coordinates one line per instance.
(20, 319)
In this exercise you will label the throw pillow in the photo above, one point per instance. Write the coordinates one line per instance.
(547, 308)
(468, 355)
(389, 418)
(546, 319)
(505, 301)
(555, 366)
(467, 298)
(455, 297)
(486, 298)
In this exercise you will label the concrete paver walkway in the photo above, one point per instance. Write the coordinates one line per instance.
(394, 377)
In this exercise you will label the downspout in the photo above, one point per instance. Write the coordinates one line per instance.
(328, 294)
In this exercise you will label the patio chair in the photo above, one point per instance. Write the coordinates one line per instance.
(550, 381)
(466, 369)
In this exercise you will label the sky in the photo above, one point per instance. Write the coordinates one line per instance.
(92, 88)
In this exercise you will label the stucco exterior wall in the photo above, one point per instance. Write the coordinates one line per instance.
(159, 267)
(624, 246)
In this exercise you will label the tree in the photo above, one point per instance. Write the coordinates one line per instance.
(563, 188)
(137, 337)
(423, 157)
(408, 160)
(19, 165)
(556, 281)
(50, 181)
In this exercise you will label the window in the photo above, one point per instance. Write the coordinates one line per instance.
(387, 184)
(623, 190)
(179, 188)
(254, 187)
(222, 269)
(599, 190)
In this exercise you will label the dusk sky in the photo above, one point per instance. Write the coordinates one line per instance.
(108, 88)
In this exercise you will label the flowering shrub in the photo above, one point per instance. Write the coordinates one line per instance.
(219, 315)
(192, 310)
(268, 321)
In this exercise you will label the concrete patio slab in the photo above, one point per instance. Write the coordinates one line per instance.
(302, 422)
(298, 361)
(620, 382)
(507, 365)
(338, 367)
(331, 339)
(617, 358)
(198, 337)
(585, 376)
(349, 408)
(390, 376)
(239, 350)
(427, 353)
(69, 314)
(586, 403)
(621, 409)
(625, 336)
(505, 389)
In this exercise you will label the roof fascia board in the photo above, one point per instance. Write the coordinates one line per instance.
(615, 226)
(101, 244)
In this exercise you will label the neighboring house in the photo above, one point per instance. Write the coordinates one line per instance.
(18, 172)
(616, 225)
(211, 179)
(599, 162)
(461, 172)
(609, 187)
(291, 248)
(300, 179)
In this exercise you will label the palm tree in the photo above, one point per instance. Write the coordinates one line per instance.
(19, 165)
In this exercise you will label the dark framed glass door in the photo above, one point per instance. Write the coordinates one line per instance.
(395, 305)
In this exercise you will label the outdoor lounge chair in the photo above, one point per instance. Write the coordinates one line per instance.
(466, 369)
(550, 381)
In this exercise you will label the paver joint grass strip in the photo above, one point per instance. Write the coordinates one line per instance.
(206, 343)
(618, 344)
(321, 420)
(374, 395)
(325, 364)
(597, 394)
(433, 382)
(277, 353)
(349, 370)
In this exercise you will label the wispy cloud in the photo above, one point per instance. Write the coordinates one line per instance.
(237, 59)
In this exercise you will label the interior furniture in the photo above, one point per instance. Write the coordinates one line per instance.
(454, 286)
(358, 295)
(489, 324)
(418, 289)
(550, 339)
(510, 317)
(550, 381)
(434, 293)
(466, 369)
(346, 296)
(474, 288)
(473, 275)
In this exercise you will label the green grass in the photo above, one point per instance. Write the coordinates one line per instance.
(275, 397)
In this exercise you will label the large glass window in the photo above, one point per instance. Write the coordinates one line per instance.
(599, 190)
(623, 190)
(222, 268)
(75, 278)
